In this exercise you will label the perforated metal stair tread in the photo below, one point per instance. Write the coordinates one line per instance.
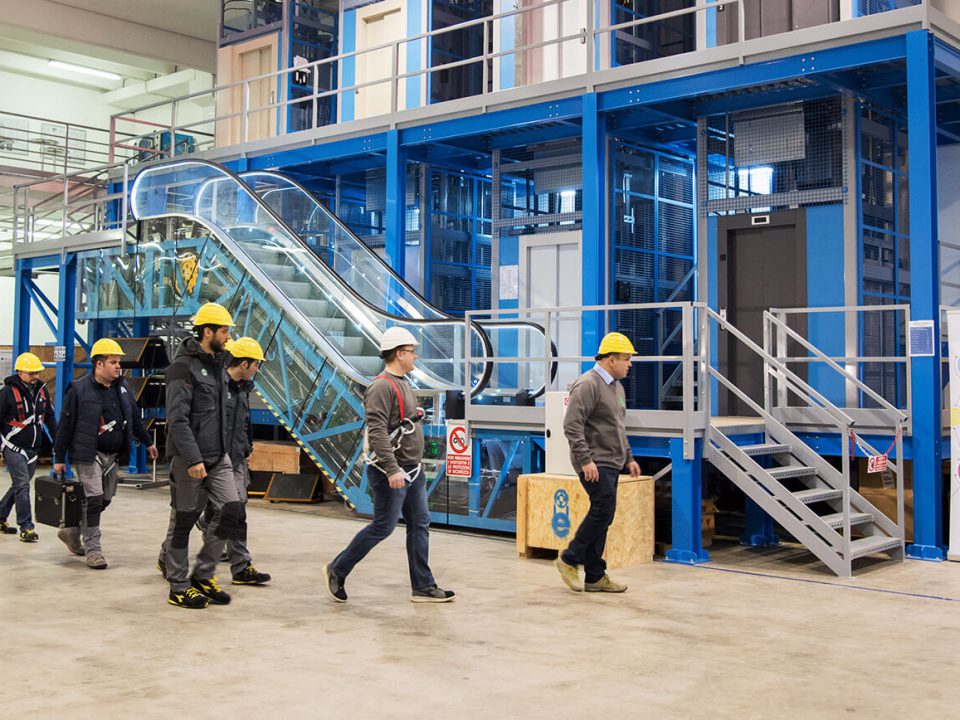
(871, 545)
(817, 495)
(765, 449)
(835, 521)
(795, 471)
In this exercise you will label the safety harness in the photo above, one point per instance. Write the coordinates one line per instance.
(24, 420)
(396, 435)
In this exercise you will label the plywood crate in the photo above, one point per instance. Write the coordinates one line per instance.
(885, 500)
(544, 522)
(277, 457)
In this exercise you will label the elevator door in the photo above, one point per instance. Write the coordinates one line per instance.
(761, 267)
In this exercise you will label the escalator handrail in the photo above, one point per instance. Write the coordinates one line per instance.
(279, 297)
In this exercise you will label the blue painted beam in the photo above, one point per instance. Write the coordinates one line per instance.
(320, 152)
(21, 308)
(593, 244)
(686, 514)
(395, 214)
(66, 326)
(924, 296)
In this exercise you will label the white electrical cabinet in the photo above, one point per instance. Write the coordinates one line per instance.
(558, 451)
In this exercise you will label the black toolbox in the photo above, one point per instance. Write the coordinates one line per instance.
(58, 501)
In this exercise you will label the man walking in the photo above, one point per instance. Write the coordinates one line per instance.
(198, 445)
(25, 410)
(98, 423)
(595, 428)
(395, 439)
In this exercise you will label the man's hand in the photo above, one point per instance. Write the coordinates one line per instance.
(152, 453)
(59, 468)
(397, 480)
(198, 471)
(590, 472)
(634, 468)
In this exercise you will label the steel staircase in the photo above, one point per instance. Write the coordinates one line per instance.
(799, 489)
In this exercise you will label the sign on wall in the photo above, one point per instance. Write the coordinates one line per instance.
(459, 449)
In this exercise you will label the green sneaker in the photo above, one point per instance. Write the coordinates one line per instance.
(604, 584)
(569, 573)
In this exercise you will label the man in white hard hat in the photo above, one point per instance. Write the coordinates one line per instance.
(99, 421)
(25, 411)
(595, 428)
(395, 440)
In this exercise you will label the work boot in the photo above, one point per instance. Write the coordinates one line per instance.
(71, 538)
(188, 598)
(29, 535)
(250, 576)
(162, 567)
(432, 594)
(211, 590)
(96, 561)
(6, 529)
(569, 573)
(333, 584)
(604, 584)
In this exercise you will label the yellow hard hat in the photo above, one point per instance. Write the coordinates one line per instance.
(106, 346)
(245, 348)
(616, 343)
(212, 314)
(28, 362)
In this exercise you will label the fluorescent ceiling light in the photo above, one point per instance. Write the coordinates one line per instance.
(83, 70)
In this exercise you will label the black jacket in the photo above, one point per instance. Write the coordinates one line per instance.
(196, 407)
(36, 403)
(238, 420)
(80, 422)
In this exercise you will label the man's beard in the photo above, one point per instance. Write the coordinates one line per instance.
(216, 346)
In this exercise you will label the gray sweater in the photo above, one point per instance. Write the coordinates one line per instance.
(595, 423)
(382, 411)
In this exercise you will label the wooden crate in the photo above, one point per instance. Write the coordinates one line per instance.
(885, 500)
(545, 521)
(277, 457)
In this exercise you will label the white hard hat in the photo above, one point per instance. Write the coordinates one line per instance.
(396, 337)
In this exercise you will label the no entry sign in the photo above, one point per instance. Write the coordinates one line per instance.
(459, 450)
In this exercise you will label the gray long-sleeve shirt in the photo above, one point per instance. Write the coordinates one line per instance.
(382, 410)
(595, 422)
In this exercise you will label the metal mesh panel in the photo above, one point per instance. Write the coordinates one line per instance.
(780, 156)
(658, 39)
(872, 7)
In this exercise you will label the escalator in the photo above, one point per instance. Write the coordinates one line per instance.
(364, 269)
(320, 333)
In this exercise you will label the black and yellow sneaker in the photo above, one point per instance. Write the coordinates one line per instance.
(188, 598)
(6, 529)
(29, 535)
(250, 576)
(211, 590)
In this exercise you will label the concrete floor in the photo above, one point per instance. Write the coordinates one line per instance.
(750, 635)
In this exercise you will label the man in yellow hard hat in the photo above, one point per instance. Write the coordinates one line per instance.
(595, 428)
(198, 445)
(99, 421)
(25, 411)
(245, 358)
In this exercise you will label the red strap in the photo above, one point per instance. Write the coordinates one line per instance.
(16, 424)
(21, 411)
(396, 387)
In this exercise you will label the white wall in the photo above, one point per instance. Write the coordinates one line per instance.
(948, 190)
(39, 332)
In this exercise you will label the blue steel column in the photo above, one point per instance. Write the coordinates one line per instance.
(138, 453)
(687, 512)
(593, 244)
(66, 326)
(924, 297)
(21, 309)
(395, 214)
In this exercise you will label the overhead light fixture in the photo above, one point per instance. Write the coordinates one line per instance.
(83, 70)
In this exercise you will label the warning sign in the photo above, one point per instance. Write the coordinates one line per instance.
(876, 463)
(459, 450)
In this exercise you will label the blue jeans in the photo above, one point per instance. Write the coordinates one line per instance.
(588, 545)
(21, 473)
(388, 506)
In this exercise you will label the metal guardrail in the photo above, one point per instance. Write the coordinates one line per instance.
(240, 105)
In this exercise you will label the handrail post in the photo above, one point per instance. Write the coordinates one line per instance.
(123, 211)
(113, 139)
(16, 217)
(848, 563)
(484, 78)
(901, 467)
(547, 344)
(741, 29)
(767, 400)
(394, 71)
(244, 111)
(173, 129)
(315, 71)
(686, 318)
(783, 399)
(590, 41)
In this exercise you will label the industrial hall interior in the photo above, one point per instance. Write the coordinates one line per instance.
(480, 358)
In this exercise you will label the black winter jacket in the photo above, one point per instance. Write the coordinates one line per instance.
(80, 422)
(36, 403)
(238, 420)
(196, 407)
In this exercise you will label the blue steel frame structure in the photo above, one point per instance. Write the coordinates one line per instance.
(684, 98)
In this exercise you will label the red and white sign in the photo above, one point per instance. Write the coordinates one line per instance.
(876, 463)
(459, 450)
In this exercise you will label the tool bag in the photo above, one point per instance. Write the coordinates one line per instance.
(59, 502)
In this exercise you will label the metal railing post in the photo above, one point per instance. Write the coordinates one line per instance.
(767, 400)
(394, 71)
(173, 130)
(901, 467)
(123, 211)
(686, 318)
(845, 469)
(484, 73)
(315, 71)
(783, 399)
(244, 111)
(741, 30)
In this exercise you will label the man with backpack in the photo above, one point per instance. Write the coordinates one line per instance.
(394, 472)
(25, 413)
(98, 423)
